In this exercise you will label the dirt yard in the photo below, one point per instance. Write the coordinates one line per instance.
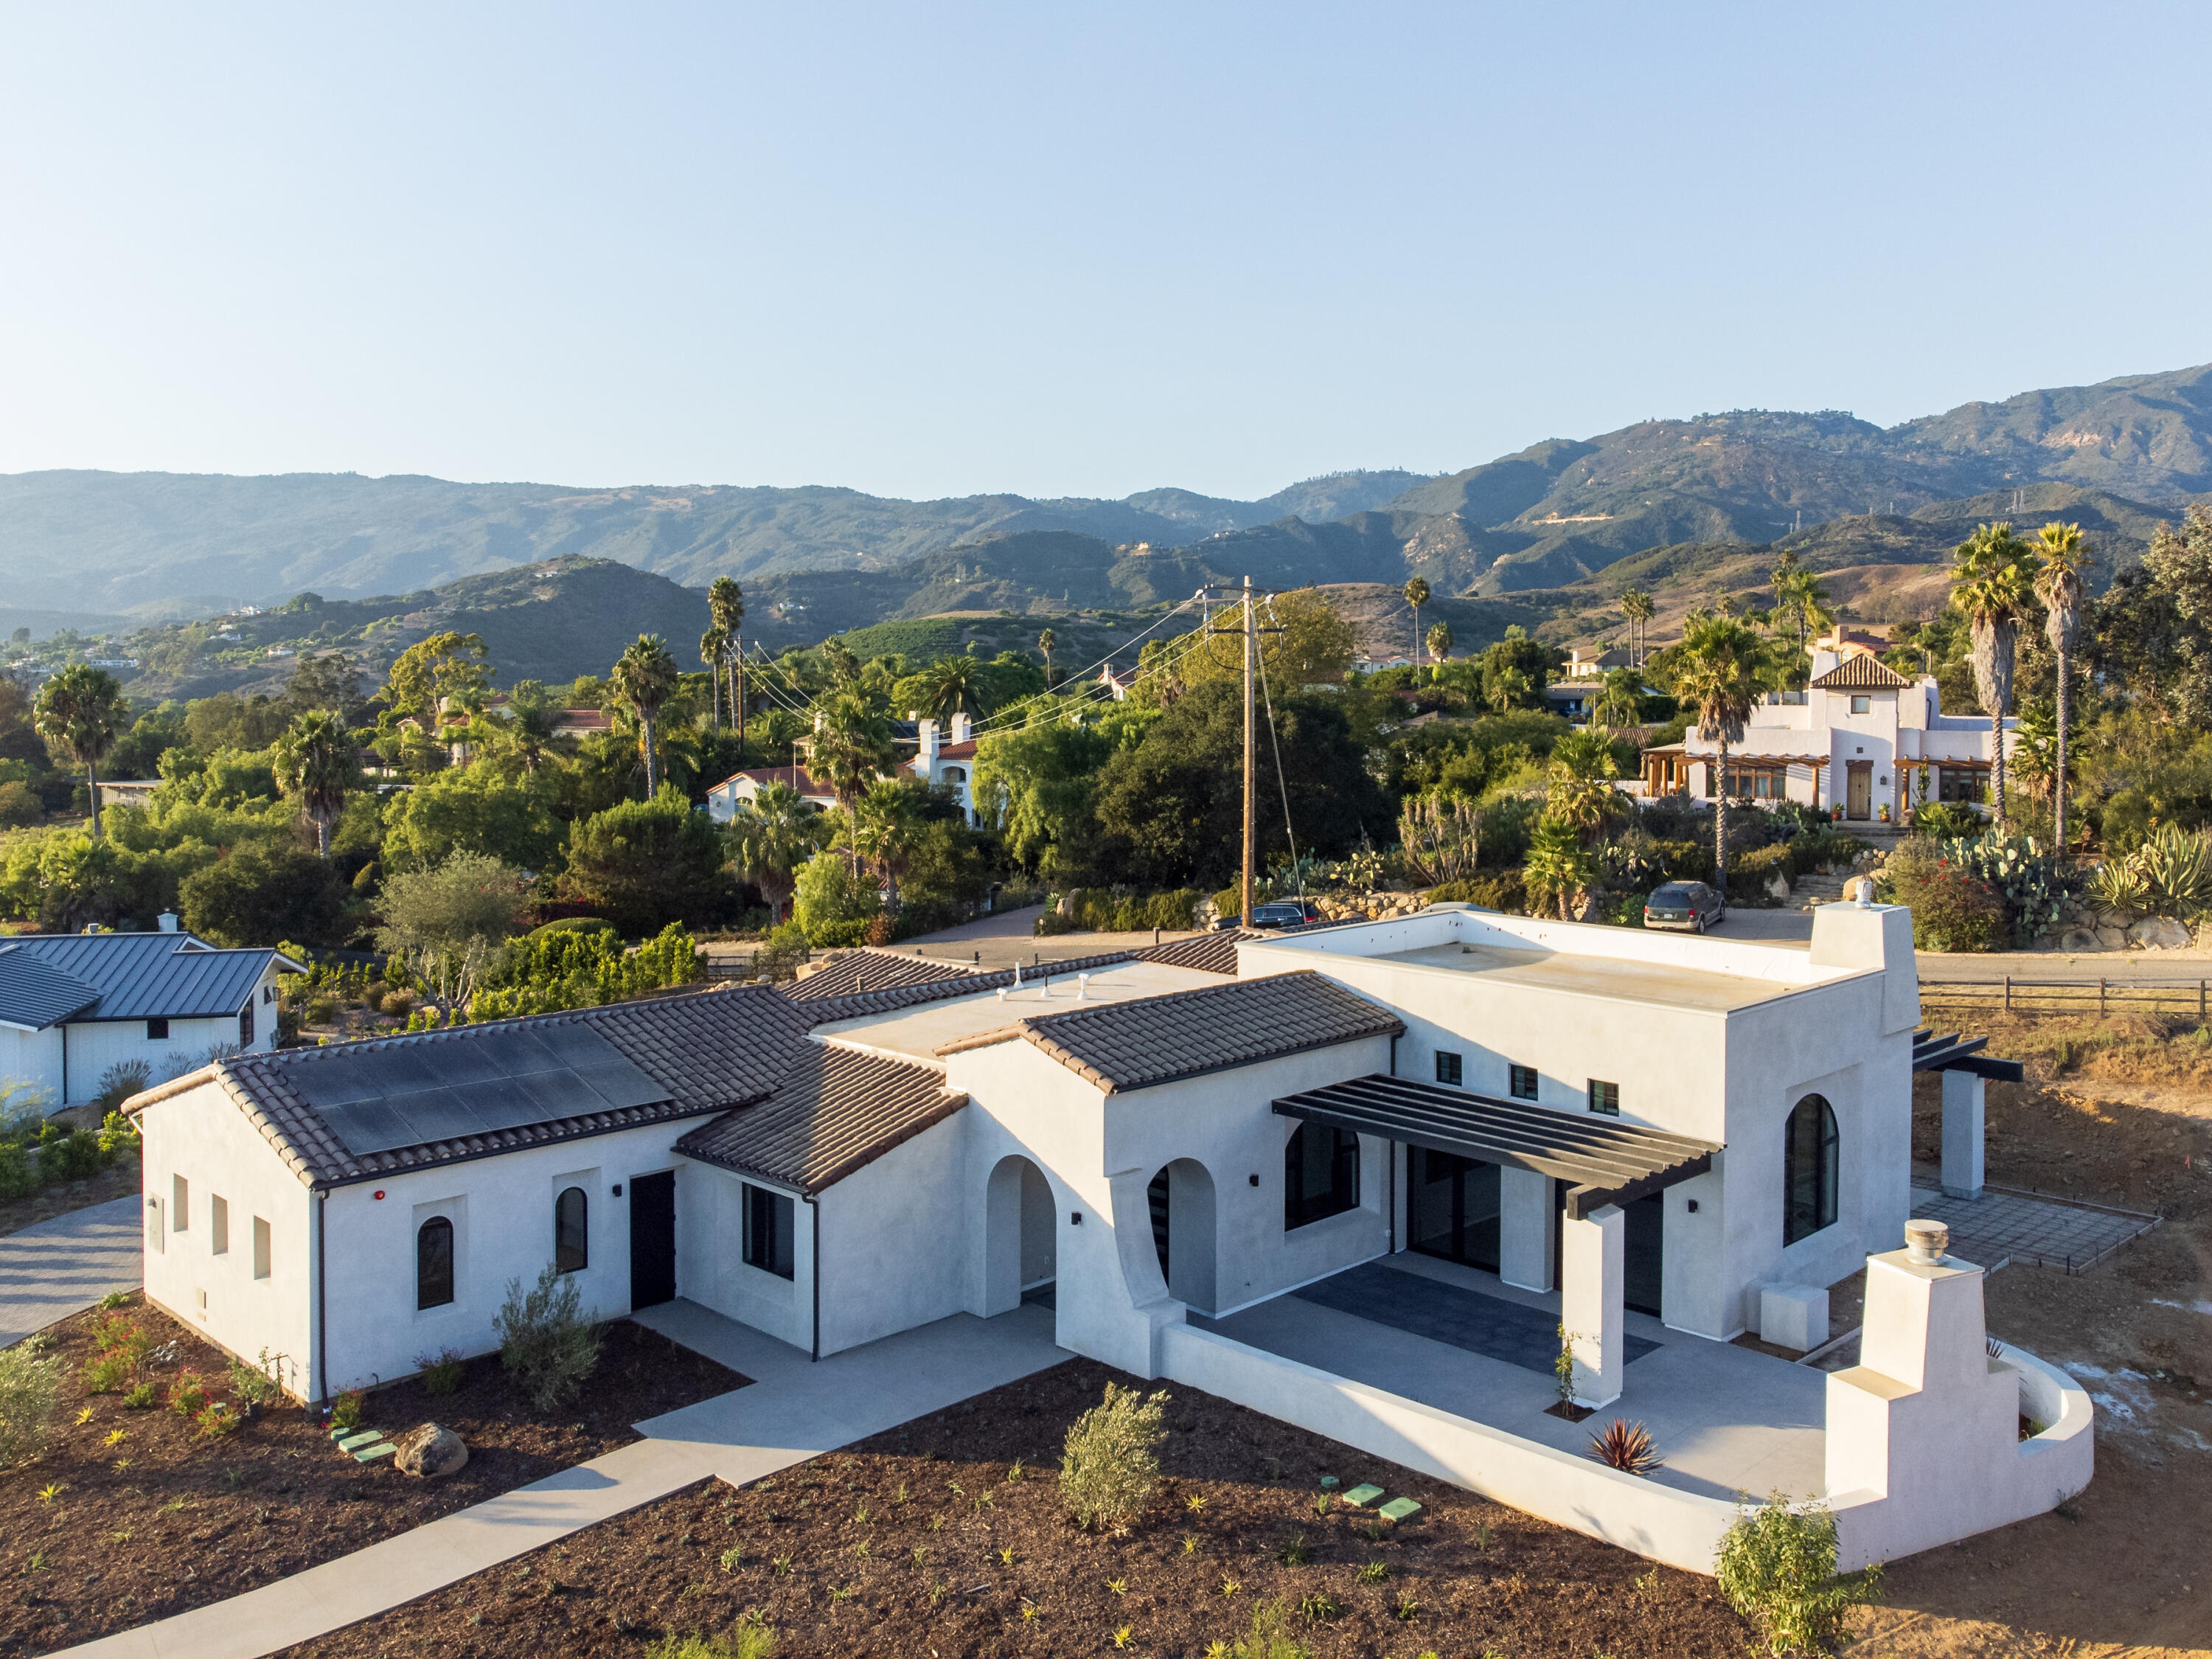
(121, 1181)
(132, 1514)
(945, 1537)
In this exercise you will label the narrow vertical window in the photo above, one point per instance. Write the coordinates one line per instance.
(245, 1026)
(1808, 1170)
(433, 1263)
(571, 1231)
(769, 1227)
(218, 1225)
(180, 1203)
(260, 1247)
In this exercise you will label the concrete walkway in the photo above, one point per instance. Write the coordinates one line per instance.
(794, 1410)
(52, 1269)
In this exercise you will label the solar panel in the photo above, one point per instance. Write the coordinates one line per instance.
(378, 1099)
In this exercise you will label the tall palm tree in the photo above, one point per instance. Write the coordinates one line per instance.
(1440, 645)
(850, 748)
(2059, 584)
(1557, 864)
(1579, 792)
(726, 603)
(1046, 642)
(1505, 689)
(1802, 606)
(645, 678)
(83, 710)
(1636, 606)
(955, 684)
(883, 832)
(1417, 595)
(1992, 581)
(714, 652)
(315, 761)
(1719, 673)
(530, 725)
(770, 837)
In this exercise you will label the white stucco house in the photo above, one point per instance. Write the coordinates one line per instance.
(1361, 1177)
(941, 756)
(741, 788)
(1861, 736)
(74, 1005)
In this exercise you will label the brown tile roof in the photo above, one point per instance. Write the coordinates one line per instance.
(839, 1110)
(711, 1051)
(849, 972)
(1209, 953)
(806, 783)
(1861, 673)
(896, 997)
(1123, 1046)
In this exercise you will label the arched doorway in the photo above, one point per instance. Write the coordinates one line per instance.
(1180, 1198)
(1021, 1237)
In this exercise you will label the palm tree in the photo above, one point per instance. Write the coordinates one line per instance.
(2059, 584)
(1506, 688)
(955, 684)
(1417, 595)
(714, 652)
(83, 710)
(1580, 793)
(851, 748)
(884, 834)
(1557, 866)
(314, 761)
(771, 837)
(645, 678)
(1802, 606)
(726, 603)
(1046, 642)
(1636, 606)
(1992, 581)
(1440, 645)
(1621, 702)
(1719, 673)
(530, 722)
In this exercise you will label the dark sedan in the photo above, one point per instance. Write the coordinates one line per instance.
(1690, 906)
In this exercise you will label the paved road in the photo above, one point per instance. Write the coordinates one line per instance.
(1001, 940)
(52, 1269)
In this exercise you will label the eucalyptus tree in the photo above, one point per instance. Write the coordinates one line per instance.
(1719, 674)
(645, 678)
(83, 710)
(2060, 585)
(1993, 584)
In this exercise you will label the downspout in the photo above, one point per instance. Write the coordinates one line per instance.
(1390, 1191)
(814, 1275)
(322, 1323)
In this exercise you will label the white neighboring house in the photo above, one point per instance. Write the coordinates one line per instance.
(73, 1005)
(1157, 1145)
(1861, 736)
(949, 759)
(741, 788)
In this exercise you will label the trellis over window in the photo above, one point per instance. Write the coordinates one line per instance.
(572, 1242)
(1809, 1147)
(433, 1263)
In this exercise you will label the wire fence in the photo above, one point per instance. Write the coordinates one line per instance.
(2077, 996)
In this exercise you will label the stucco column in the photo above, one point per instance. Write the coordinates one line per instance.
(1592, 1253)
(1524, 1229)
(1962, 1134)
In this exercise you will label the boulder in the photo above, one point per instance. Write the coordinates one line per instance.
(2112, 939)
(429, 1451)
(1777, 885)
(2076, 939)
(2159, 934)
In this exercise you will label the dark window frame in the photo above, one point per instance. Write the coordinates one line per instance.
(434, 1264)
(1518, 1076)
(1812, 1150)
(770, 1221)
(1450, 1068)
(1303, 1205)
(157, 1030)
(1604, 1097)
(572, 1238)
(245, 1026)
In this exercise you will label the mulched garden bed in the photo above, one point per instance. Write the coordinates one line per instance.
(103, 1533)
(930, 1541)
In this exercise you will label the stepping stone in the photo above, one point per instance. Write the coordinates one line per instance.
(381, 1449)
(1329, 1483)
(359, 1438)
(1360, 1497)
(1400, 1509)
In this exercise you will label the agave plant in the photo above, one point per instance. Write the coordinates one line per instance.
(2117, 885)
(2176, 865)
(1627, 1447)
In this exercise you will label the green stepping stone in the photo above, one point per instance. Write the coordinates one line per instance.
(1329, 1483)
(361, 1437)
(1360, 1497)
(385, 1449)
(1400, 1509)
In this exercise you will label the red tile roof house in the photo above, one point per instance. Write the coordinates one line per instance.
(1358, 1177)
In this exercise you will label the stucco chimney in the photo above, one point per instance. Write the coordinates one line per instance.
(929, 744)
(963, 727)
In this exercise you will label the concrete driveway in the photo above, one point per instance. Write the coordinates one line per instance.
(52, 1269)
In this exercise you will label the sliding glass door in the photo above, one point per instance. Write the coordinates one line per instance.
(1454, 1206)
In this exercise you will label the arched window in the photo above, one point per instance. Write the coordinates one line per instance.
(571, 1231)
(1321, 1173)
(1808, 1170)
(433, 1263)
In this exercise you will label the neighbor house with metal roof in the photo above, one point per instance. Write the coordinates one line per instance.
(1398, 1181)
(73, 1006)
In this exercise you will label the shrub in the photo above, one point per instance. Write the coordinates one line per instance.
(188, 1394)
(217, 1419)
(1052, 925)
(442, 1372)
(122, 1080)
(75, 1156)
(752, 1637)
(107, 1374)
(786, 948)
(546, 1339)
(397, 1004)
(1270, 1637)
(1749, 873)
(1111, 1461)
(18, 1176)
(321, 1010)
(257, 1384)
(141, 1397)
(1951, 911)
(1946, 820)
(29, 1388)
(346, 1414)
(1777, 1565)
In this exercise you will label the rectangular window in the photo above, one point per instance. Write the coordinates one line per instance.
(1605, 1098)
(180, 1203)
(260, 1247)
(1321, 1175)
(218, 1226)
(157, 1030)
(1520, 1082)
(1448, 1067)
(769, 1227)
(245, 1026)
(1861, 705)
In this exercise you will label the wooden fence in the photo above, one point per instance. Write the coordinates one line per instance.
(2071, 996)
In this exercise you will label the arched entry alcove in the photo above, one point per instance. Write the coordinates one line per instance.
(1021, 1239)
(1180, 1198)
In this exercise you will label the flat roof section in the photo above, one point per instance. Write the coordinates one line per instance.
(1575, 974)
(919, 1032)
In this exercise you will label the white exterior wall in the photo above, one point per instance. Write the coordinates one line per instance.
(710, 1256)
(501, 1209)
(35, 1058)
(202, 1136)
(895, 1239)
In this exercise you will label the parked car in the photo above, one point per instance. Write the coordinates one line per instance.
(1285, 913)
(1690, 906)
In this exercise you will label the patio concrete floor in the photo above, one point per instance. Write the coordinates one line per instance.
(1727, 1420)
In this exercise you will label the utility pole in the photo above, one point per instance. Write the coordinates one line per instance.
(1251, 640)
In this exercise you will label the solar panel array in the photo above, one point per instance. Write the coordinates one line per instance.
(408, 1094)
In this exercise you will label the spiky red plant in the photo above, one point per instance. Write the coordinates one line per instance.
(1627, 1447)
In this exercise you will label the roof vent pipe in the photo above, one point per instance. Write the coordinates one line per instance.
(167, 922)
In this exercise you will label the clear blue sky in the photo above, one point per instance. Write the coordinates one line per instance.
(1062, 249)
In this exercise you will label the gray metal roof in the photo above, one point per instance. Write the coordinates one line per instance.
(1604, 1160)
(150, 976)
(35, 994)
